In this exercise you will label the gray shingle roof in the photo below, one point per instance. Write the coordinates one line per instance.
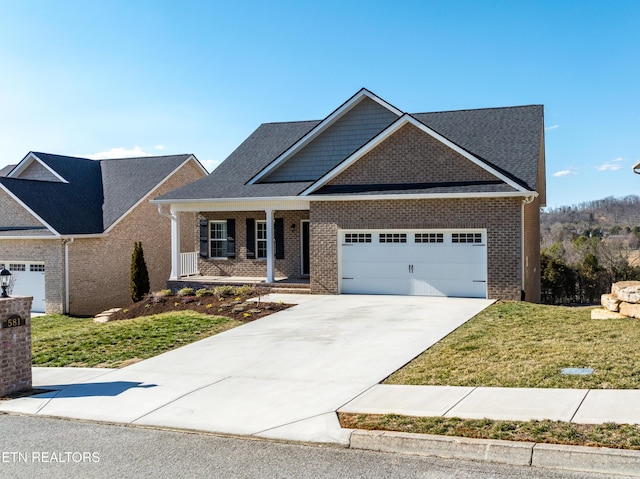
(229, 179)
(6, 170)
(507, 139)
(98, 192)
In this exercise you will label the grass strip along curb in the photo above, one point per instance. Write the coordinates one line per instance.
(618, 436)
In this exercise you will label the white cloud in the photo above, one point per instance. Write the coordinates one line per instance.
(612, 165)
(159, 147)
(210, 165)
(118, 152)
(552, 127)
(565, 173)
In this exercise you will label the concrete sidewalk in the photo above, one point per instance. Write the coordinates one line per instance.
(283, 376)
(583, 406)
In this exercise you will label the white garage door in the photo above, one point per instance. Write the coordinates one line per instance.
(414, 262)
(28, 280)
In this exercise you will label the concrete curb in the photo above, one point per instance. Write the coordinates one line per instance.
(589, 459)
(574, 458)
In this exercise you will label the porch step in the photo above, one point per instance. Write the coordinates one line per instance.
(294, 290)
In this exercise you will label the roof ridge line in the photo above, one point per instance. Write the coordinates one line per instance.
(478, 109)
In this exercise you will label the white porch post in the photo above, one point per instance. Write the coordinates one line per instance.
(270, 240)
(175, 246)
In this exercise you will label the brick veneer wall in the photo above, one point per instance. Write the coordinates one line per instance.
(411, 156)
(289, 267)
(500, 216)
(14, 214)
(15, 346)
(50, 251)
(99, 268)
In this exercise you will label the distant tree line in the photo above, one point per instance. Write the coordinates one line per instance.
(588, 247)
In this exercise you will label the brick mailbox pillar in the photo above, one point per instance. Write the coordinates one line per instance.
(15, 344)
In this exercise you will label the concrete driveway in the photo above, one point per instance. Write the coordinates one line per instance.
(283, 376)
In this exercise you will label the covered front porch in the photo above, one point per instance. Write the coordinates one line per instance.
(241, 242)
(280, 284)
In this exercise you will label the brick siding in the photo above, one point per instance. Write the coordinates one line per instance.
(411, 156)
(99, 268)
(15, 346)
(289, 267)
(499, 216)
(14, 214)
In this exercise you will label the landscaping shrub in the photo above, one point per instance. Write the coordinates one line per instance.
(201, 293)
(224, 291)
(244, 290)
(139, 282)
(186, 292)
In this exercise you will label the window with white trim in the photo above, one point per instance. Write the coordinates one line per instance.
(17, 267)
(261, 239)
(466, 238)
(218, 239)
(357, 238)
(36, 268)
(429, 238)
(393, 237)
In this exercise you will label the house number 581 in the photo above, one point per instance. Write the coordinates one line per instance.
(13, 322)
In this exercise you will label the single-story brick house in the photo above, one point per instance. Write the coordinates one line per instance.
(68, 226)
(375, 200)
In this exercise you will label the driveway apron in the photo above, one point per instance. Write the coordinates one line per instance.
(283, 376)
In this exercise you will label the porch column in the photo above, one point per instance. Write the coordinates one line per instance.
(270, 240)
(175, 246)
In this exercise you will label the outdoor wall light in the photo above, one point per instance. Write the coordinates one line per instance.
(5, 279)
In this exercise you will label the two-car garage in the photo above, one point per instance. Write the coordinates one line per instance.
(414, 262)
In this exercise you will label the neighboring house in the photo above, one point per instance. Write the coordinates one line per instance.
(68, 227)
(375, 200)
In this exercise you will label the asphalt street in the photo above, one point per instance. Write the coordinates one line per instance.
(40, 447)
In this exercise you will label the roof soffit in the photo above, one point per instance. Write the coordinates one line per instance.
(393, 128)
(320, 128)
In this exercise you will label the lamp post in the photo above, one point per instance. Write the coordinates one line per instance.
(5, 279)
(636, 168)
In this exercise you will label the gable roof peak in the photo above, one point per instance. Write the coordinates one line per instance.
(98, 193)
(332, 119)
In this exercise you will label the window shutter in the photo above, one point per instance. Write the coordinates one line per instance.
(279, 237)
(251, 238)
(204, 238)
(231, 238)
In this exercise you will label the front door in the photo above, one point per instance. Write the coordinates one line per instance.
(305, 248)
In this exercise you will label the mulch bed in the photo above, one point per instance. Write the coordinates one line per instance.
(231, 307)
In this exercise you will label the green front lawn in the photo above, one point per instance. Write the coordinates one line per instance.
(63, 341)
(525, 345)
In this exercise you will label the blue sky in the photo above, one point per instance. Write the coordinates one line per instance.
(108, 78)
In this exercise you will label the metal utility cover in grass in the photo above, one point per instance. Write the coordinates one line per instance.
(576, 371)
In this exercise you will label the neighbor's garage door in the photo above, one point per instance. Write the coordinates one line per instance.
(28, 280)
(414, 262)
